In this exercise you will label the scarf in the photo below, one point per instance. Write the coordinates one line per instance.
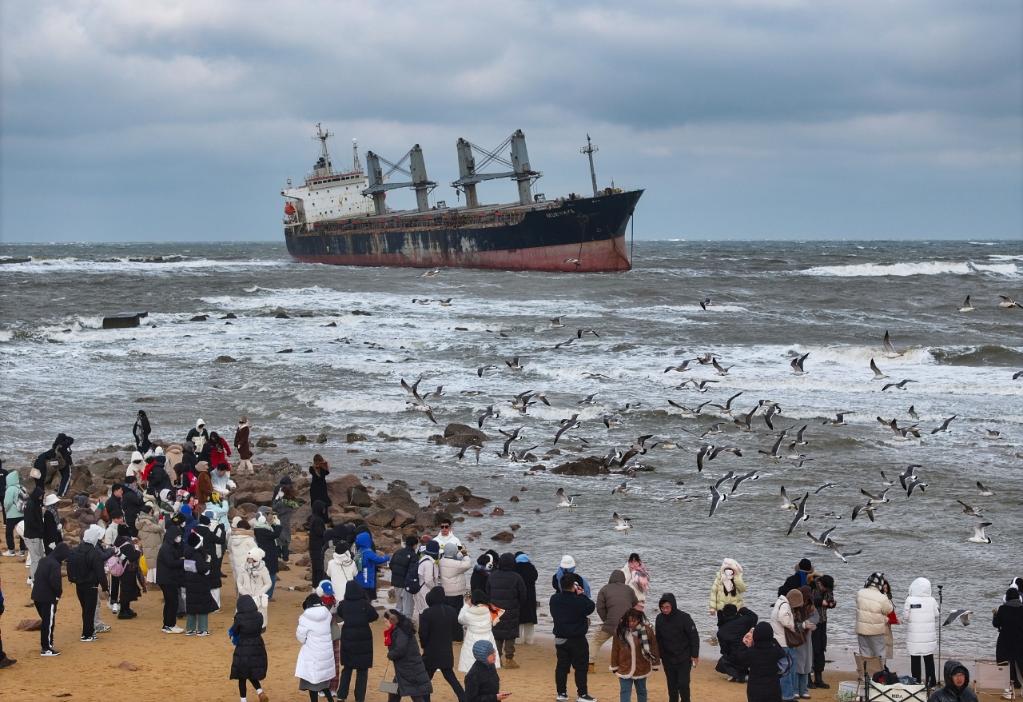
(388, 633)
(640, 577)
(495, 613)
(644, 642)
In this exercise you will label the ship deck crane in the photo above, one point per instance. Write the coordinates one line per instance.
(417, 172)
(519, 165)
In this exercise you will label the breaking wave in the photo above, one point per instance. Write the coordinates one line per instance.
(908, 269)
(987, 355)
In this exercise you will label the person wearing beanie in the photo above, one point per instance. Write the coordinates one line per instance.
(244, 447)
(437, 625)
(920, 614)
(86, 572)
(482, 683)
(140, 431)
(613, 601)
(527, 617)
(477, 618)
(428, 569)
(679, 645)
(789, 635)
(803, 576)
(570, 609)
(761, 655)
(1008, 620)
(403, 653)
(872, 610)
(823, 600)
(567, 567)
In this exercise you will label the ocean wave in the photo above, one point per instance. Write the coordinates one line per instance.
(71, 264)
(986, 355)
(909, 269)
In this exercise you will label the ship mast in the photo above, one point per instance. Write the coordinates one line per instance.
(588, 150)
(356, 166)
(324, 162)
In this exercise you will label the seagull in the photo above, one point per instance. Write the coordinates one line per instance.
(566, 424)
(875, 499)
(727, 407)
(714, 428)
(823, 487)
(621, 489)
(720, 370)
(565, 343)
(878, 375)
(843, 555)
(1017, 375)
(701, 386)
(725, 449)
(944, 425)
(773, 453)
(967, 307)
(961, 614)
(984, 492)
(690, 410)
(979, 537)
(801, 515)
(514, 364)
(704, 450)
(681, 368)
(823, 540)
(588, 400)
(746, 420)
(566, 499)
(912, 412)
(621, 523)
(556, 323)
(970, 510)
(786, 503)
(586, 330)
(912, 483)
(705, 303)
(901, 385)
(611, 420)
(839, 420)
(1008, 303)
(512, 436)
(412, 389)
(797, 364)
(908, 475)
(483, 369)
(574, 261)
(485, 414)
(430, 273)
(752, 475)
(469, 447)
(867, 509)
(715, 499)
(772, 409)
(705, 359)
(889, 348)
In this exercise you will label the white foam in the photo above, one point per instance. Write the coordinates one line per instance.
(123, 265)
(909, 269)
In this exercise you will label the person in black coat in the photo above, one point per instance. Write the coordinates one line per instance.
(403, 652)
(170, 575)
(760, 656)
(570, 609)
(129, 555)
(158, 477)
(482, 683)
(33, 524)
(481, 571)
(437, 626)
(199, 601)
(318, 523)
(679, 644)
(507, 591)
(735, 624)
(266, 533)
(356, 614)
(527, 617)
(1008, 620)
(318, 473)
(52, 532)
(114, 505)
(249, 659)
(47, 588)
(141, 431)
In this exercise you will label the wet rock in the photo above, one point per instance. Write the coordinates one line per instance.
(590, 465)
(514, 527)
(321, 438)
(286, 351)
(279, 313)
(475, 513)
(504, 537)
(387, 437)
(513, 498)
(330, 324)
(230, 315)
(462, 435)
(354, 437)
(301, 439)
(497, 512)
(359, 497)
(265, 442)
(122, 321)
(362, 313)
(224, 359)
(199, 318)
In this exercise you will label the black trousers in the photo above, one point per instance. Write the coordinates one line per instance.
(361, 678)
(88, 597)
(452, 679)
(819, 638)
(9, 533)
(48, 613)
(115, 588)
(170, 604)
(241, 685)
(575, 654)
(456, 602)
(928, 661)
(678, 681)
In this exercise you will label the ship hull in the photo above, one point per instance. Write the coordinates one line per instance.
(584, 235)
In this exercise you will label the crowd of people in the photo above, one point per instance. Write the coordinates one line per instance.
(166, 523)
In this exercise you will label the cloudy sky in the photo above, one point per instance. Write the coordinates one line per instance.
(180, 120)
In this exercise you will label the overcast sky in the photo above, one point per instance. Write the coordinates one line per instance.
(180, 120)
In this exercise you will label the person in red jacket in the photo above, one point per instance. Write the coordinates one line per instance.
(219, 451)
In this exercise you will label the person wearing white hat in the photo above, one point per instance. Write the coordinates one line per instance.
(53, 530)
(567, 567)
(135, 466)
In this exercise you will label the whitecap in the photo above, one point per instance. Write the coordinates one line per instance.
(908, 269)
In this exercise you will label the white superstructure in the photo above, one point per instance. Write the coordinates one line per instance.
(326, 194)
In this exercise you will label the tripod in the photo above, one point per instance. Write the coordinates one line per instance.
(937, 665)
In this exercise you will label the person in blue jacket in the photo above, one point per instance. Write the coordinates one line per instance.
(368, 560)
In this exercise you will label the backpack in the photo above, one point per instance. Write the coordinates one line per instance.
(885, 677)
(412, 582)
(114, 565)
(76, 566)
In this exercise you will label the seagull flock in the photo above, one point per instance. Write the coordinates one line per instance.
(727, 439)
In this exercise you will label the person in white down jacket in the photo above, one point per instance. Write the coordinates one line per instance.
(920, 615)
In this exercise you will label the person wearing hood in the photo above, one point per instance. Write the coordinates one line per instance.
(570, 609)
(171, 576)
(150, 531)
(47, 588)
(85, 570)
(198, 436)
(285, 502)
(437, 626)
(527, 617)
(728, 588)
(62, 448)
(266, 530)
(403, 652)
(679, 645)
(872, 610)
(131, 503)
(315, 665)
(734, 626)
(14, 497)
(356, 614)
(158, 478)
(342, 569)
(211, 542)
(920, 613)
(318, 473)
(129, 589)
(477, 619)
(507, 591)
(141, 431)
(248, 662)
(53, 530)
(253, 580)
(482, 683)
(244, 447)
(428, 570)
(319, 521)
(802, 659)
(136, 465)
(789, 635)
(240, 543)
(199, 601)
(957, 685)
(803, 576)
(203, 486)
(485, 563)
(33, 527)
(401, 561)
(567, 567)
(760, 657)
(634, 654)
(367, 577)
(1008, 620)
(613, 601)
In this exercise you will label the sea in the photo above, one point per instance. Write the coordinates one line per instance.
(333, 362)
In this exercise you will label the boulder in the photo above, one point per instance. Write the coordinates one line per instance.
(122, 321)
(301, 439)
(462, 435)
(359, 497)
(497, 512)
(381, 518)
(265, 442)
(321, 438)
(199, 318)
(259, 497)
(353, 437)
(225, 359)
(402, 519)
(590, 465)
(398, 498)
(504, 537)
(107, 470)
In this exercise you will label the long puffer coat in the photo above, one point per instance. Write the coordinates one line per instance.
(249, 659)
(198, 599)
(527, 571)
(169, 570)
(614, 600)
(920, 614)
(437, 625)
(507, 591)
(719, 596)
(477, 622)
(239, 544)
(872, 608)
(356, 614)
(761, 660)
(409, 671)
(254, 581)
(1008, 620)
(315, 662)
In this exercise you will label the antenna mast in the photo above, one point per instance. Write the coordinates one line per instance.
(322, 135)
(588, 150)
(356, 166)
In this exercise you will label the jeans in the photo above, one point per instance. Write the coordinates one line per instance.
(677, 677)
(88, 597)
(273, 584)
(803, 683)
(625, 686)
(574, 653)
(197, 622)
(928, 661)
(452, 680)
(361, 677)
(789, 680)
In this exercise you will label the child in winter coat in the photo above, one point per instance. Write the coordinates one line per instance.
(633, 654)
(249, 660)
(728, 588)
(315, 665)
(482, 683)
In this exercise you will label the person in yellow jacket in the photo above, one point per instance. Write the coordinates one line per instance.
(728, 588)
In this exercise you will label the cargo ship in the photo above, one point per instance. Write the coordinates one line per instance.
(342, 217)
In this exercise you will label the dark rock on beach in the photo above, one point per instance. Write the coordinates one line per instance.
(122, 321)
(590, 465)
(462, 435)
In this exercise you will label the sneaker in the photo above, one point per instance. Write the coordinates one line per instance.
(1007, 693)
(88, 639)
(102, 628)
(172, 630)
(190, 633)
(9, 554)
(115, 608)
(585, 698)
(562, 697)
(203, 633)
(7, 661)
(49, 653)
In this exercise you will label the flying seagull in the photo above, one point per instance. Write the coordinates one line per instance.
(566, 499)
(621, 523)
(797, 364)
(961, 614)
(979, 536)
(901, 385)
(878, 375)
(984, 491)
(944, 425)
(889, 348)
(967, 307)
(801, 515)
(715, 499)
